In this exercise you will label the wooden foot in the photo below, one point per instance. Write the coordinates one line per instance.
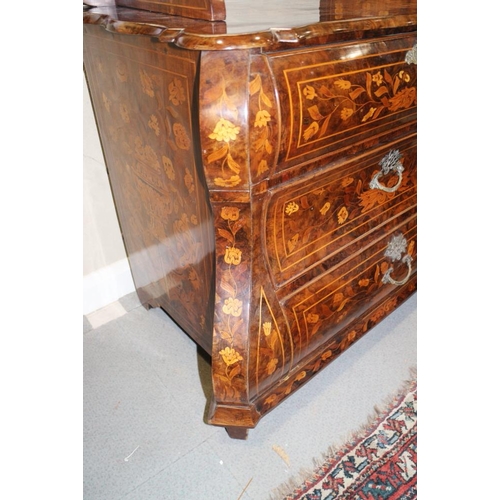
(237, 432)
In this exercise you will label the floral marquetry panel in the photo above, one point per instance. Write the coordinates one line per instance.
(310, 221)
(224, 127)
(143, 107)
(338, 93)
(232, 289)
(328, 304)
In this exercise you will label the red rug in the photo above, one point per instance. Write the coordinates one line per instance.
(380, 463)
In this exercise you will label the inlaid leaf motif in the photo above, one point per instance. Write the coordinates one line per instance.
(218, 154)
(255, 85)
(226, 234)
(381, 91)
(266, 100)
(356, 93)
(387, 77)
(232, 164)
(324, 126)
(214, 93)
(314, 112)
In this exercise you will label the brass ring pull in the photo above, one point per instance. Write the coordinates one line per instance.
(395, 248)
(387, 276)
(391, 162)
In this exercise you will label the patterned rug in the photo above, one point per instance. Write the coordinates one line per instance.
(379, 463)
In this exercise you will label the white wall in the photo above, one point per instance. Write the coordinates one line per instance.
(106, 272)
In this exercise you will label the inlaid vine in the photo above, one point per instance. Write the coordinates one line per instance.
(230, 299)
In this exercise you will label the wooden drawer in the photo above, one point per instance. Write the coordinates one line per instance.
(329, 313)
(335, 95)
(319, 220)
(329, 304)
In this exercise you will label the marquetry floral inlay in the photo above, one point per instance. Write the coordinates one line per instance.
(225, 133)
(176, 92)
(271, 350)
(230, 356)
(229, 317)
(363, 98)
(262, 122)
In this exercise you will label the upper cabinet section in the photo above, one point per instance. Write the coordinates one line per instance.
(244, 24)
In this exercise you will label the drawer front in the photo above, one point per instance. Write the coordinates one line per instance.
(339, 94)
(328, 305)
(320, 220)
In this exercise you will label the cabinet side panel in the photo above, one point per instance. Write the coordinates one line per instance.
(142, 93)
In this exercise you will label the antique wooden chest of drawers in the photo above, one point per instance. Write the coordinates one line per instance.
(265, 178)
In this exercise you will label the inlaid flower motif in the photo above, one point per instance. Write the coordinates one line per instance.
(194, 220)
(301, 375)
(266, 326)
(154, 125)
(181, 225)
(324, 209)
(378, 78)
(146, 83)
(189, 181)
(404, 76)
(224, 131)
(291, 208)
(312, 318)
(234, 180)
(326, 355)
(347, 181)
(346, 113)
(403, 99)
(271, 366)
(168, 167)
(342, 84)
(232, 256)
(230, 356)
(176, 92)
(364, 282)
(310, 131)
(181, 138)
(309, 92)
(262, 118)
(124, 113)
(234, 307)
(342, 215)
(230, 213)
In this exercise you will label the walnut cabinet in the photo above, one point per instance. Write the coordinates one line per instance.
(264, 171)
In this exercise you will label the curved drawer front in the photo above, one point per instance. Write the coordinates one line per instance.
(315, 223)
(328, 305)
(342, 92)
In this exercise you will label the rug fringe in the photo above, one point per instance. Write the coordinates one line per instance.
(287, 489)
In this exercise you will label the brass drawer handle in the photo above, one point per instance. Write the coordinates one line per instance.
(389, 163)
(411, 55)
(395, 248)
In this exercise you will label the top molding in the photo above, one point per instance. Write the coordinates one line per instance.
(196, 34)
